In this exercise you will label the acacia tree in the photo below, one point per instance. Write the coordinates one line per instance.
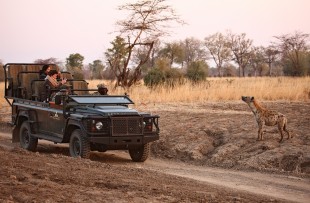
(293, 48)
(96, 68)
(74, 64)
(270, 53)
(241, 48)
(148, 20)
(218, 47)
(194, 51)
(174, 52)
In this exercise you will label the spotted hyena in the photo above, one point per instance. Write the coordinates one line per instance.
(267, 117)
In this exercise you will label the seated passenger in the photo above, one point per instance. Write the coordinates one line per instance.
(44, 71)
(102, 90)
(52, 83)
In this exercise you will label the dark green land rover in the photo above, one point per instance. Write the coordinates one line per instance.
(87, 122)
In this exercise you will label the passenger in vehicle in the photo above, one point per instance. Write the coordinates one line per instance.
(44, 71)
(53, 85)
(102, 90)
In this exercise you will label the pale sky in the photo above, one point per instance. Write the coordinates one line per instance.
(40, 29)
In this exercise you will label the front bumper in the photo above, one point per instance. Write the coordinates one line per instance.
(128, 140)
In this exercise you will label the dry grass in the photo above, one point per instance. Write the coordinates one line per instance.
(223, 89)
(215, 89)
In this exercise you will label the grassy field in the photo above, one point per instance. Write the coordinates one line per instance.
(222, 89)
(216, 89)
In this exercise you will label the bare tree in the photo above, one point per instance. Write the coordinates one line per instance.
(293, 47)
(241, 48)
(50, 61)
(148, 20)
(219, 50)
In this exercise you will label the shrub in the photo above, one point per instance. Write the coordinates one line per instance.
(154, 78)
(168, 77)
(173, 77)
(197, 71)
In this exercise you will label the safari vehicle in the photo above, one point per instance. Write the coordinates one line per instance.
(87, 122)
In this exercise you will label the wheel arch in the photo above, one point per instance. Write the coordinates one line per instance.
(16, 129)
(71, 126)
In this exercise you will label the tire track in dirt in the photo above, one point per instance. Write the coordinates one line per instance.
(284, 187)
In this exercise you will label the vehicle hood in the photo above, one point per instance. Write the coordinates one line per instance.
(108, 110)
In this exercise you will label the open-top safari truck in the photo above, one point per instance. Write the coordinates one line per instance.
(87, 122)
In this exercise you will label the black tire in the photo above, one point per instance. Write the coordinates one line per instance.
(26, 140)
(140, 153)
(79, 145)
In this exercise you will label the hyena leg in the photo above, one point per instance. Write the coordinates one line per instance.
(281, 127)
(260, 132)
(289, 135)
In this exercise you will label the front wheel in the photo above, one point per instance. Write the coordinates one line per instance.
(139, 153)
(27, 141)
(79, 145)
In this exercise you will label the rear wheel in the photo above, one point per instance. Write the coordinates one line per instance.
(79, 145)
(27, 141)
(140, 153)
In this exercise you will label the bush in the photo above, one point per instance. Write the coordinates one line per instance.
(77, 72)
(169, 78)
(173, 77)
(154, 78)
(197, 71)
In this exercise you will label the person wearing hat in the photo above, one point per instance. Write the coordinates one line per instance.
(102, 90)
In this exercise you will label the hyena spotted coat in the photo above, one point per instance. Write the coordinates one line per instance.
(267, 117)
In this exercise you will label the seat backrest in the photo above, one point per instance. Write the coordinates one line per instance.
(67, 75)
(34, 68)
(79, 87)
(25, 79)
(12, 72)
(38, 90)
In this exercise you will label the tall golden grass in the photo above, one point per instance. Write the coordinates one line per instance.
(222, 89)
(215, 89)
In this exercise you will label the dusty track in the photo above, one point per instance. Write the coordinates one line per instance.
(235, 186)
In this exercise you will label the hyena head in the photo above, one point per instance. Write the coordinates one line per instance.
(247, 99)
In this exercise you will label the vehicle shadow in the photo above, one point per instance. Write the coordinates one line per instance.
(104, 157)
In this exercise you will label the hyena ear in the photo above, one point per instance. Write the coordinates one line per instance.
(252, 98)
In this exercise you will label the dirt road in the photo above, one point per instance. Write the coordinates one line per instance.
(49, 175)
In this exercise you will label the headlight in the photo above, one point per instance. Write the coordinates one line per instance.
(99, 125)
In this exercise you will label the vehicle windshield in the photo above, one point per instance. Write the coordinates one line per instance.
(91, 99)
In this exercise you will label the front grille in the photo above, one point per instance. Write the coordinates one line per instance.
(126, 126)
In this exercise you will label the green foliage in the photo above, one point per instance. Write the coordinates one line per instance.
(74, 64)
(118, 52)
(296, 67)
(197, 71)
(168, 77)
(154, 78)
(173, 77)
(74, 61)
(96, 68)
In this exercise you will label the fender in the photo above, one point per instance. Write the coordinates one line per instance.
(72, 124)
